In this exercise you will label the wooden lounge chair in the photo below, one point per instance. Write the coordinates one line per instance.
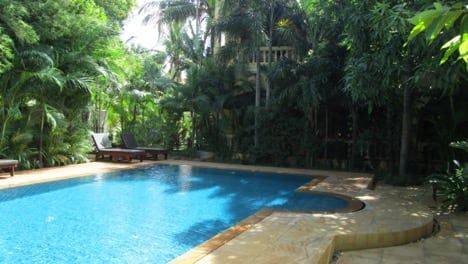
(9, 164)
(130, 142)
(104, 147)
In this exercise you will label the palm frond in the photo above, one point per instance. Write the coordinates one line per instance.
(6, 52)
(13, 17)
(165, 12)
(35, 60)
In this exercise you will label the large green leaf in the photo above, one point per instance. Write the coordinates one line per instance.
(433, 21)
(463, 49)
(451, 46)
(444, 20)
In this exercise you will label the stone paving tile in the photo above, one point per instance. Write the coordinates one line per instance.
(460, 221)
(450, 259)
(443, 246)
(370, 256)
(228, 258)
(27, 177)
(401, 260)
(361, 260)
(449, 245)
(408, 254)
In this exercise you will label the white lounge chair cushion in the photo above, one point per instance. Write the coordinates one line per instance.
(102, 141)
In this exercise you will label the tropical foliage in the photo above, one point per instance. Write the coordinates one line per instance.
(362, 96)
(54, 57)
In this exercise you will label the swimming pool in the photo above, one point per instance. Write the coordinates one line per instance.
(148, 215)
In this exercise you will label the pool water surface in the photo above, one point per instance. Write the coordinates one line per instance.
(147, 215)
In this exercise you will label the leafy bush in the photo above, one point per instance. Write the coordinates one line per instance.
(453, 186)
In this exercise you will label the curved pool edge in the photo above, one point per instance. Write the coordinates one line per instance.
(205, 248)
(383, 220)
(353, 204)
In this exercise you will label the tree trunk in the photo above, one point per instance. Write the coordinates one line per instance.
(354, 149)
(98, 110)
(41, 138)
(257, 94)
(270, 53)
(192, 137)
(4, 129)
(213, 40)
(390, 147)
(311, 136)
(316, 121)
(316, 132)
(217, 36)
(405, 132)
(134, 116)
(326, 134)
(198, 48)
(453, 125)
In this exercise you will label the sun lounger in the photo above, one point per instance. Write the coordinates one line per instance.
(9, 164)
(104, 147)
(130, 142)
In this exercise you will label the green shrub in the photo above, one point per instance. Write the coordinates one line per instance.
(452, 187)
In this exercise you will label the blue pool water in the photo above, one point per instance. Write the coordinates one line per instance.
(149, 215)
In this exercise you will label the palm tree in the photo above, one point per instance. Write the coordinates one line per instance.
(242, 21)
(37, 74)
(285, 24)
(248, 26)
(183, 12)
(43, 82)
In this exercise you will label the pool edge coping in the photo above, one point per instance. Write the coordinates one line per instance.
(62, 177)
(205, 248)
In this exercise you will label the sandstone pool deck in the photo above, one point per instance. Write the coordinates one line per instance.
(388, 219)
(448, 245)
(27, 177)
